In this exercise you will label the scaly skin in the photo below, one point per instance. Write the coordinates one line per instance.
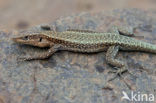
(87, 41)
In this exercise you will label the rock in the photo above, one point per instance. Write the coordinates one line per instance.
(75, 77)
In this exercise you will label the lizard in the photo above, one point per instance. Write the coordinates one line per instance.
(85, 41)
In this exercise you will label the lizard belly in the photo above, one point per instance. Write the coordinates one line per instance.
(85, 48)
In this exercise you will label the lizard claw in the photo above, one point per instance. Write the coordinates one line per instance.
(114, 71)
(20, 59)
(23, 59)
(118, 72)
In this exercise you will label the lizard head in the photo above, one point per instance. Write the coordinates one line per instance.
(38, 40)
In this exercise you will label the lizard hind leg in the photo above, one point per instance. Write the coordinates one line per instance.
(121, 67)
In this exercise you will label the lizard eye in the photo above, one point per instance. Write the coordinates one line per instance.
(25, 38)
(40, 39)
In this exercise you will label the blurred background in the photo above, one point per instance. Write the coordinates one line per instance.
(22, 14)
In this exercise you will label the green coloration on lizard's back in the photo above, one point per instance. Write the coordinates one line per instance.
(101, 39)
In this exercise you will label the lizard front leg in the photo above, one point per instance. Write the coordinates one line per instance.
(45, 55)
(110, 58)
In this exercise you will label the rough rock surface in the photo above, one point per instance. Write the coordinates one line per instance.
(69, 77)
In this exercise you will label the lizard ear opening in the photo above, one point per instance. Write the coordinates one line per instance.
(40, 39)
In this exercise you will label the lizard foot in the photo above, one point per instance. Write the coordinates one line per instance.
(118, 72)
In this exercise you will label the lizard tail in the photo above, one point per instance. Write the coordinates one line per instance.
(137, 45)
(145, 47)
(151, 48)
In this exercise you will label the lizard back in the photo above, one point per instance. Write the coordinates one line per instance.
(95, 42)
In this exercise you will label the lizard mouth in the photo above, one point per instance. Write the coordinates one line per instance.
(18, 40)
(15, 39)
